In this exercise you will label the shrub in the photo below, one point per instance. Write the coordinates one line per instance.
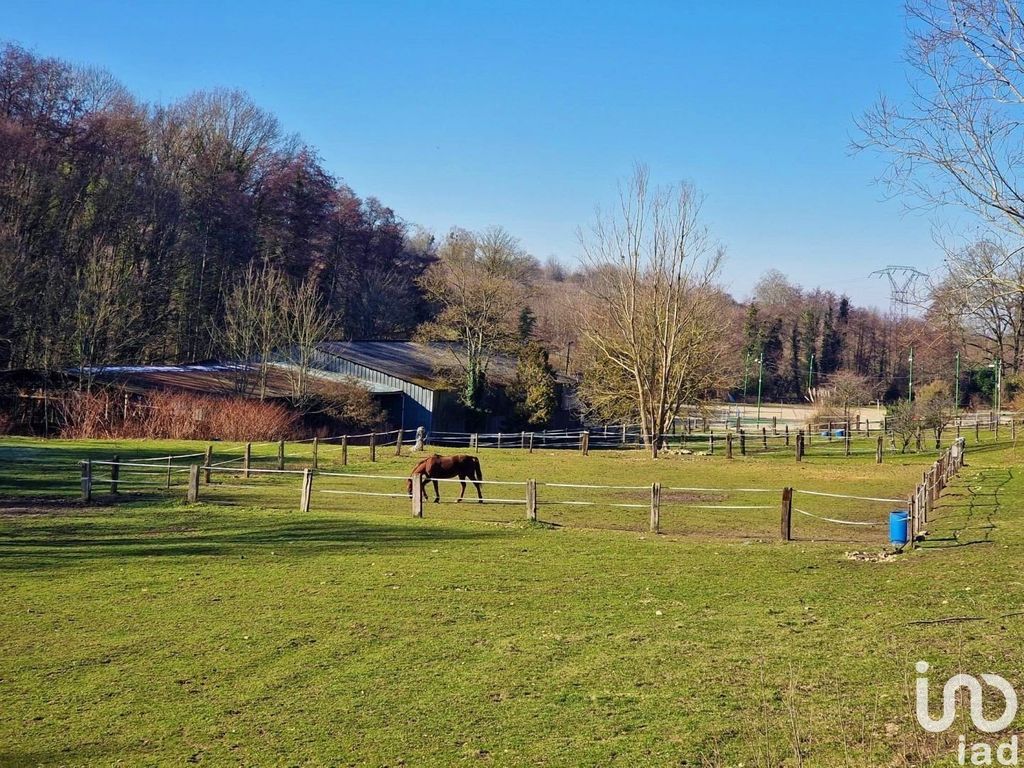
(176, 415)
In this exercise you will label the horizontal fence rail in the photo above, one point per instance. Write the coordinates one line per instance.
(757, 512)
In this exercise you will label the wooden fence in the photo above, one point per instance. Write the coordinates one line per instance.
(535, 498)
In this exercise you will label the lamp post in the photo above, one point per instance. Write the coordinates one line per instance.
(760, 378)
(997, 366)
(746, 369)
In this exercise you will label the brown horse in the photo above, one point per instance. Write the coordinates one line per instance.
(463, 467)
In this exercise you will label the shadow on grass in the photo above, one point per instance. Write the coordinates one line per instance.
(74, 540)
(967, 515)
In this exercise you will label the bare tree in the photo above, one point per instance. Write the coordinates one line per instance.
(958, 140)
(255, 326)
(651, 316)
(974, 299)
(308, 323)
(480, 283)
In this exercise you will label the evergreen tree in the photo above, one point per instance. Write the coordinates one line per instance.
(831, 344)
(533, 390)
(795, 383)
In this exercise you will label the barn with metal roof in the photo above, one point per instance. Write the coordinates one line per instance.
(418, 371)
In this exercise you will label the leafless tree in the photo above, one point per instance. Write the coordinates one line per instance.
(308, 323)
(255, 327)
(480, 283)
(651, 314)
(974, 299)
(959, 138)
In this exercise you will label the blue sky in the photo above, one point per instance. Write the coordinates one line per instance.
(527, 114)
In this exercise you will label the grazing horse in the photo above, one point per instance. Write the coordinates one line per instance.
(464, 467)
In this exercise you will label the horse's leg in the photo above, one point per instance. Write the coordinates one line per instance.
(437, 494)
(479, 493)
(462, 482)
(423, 487)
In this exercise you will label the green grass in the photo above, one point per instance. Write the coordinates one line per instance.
(242, 632)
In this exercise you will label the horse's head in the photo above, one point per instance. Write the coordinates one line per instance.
(408, 487)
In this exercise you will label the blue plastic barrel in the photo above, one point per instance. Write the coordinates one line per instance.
(899, 527)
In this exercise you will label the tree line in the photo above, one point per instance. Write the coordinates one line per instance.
(125, 227)
(139, 233)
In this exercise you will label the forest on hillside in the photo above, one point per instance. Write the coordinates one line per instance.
(150, 233)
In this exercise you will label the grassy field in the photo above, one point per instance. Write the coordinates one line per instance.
(241, 632)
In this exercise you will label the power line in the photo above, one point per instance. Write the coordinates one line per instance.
(902, 280)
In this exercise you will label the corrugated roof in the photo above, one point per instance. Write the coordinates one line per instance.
(220, 378)
(415, 362)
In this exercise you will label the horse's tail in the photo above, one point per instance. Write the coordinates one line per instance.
(476, 465)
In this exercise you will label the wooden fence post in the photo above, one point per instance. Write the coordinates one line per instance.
(398, 444)
(87, 481)
(373, 446)
(787, 514)
(917, 439)
(586, 443)
(728, 445)
(775, 425)
(522, 439)
(787, 435)
(764, 437)
(246, 460)
(977, 430)
(711, 443)
(115, 468)
(847, 437)
(879, 449)
(655, 507)
(344, 450)
(800, 445)
(743, 443)
(316, 453)
(531, 443)
(192, 494)
(168, 472)
(280, 454)
(830, 431)
(307, 490)
(531, 500)
(417, 495)
(208, 463)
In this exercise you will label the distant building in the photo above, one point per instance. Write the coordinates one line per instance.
(415, 370)
(405, 378)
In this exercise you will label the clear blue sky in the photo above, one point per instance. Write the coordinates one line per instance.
(526, 114)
